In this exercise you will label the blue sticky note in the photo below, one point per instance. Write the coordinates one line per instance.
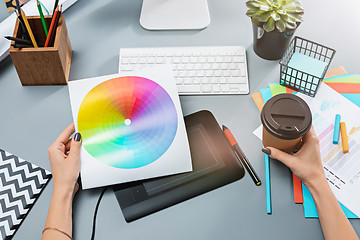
(308, 65)
(266, 94)
(353, 97)
(310, 208)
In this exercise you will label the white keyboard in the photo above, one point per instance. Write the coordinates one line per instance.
(198, 70)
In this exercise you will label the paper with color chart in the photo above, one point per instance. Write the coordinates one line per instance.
(132, 128)
(30, 9)
(342, 170)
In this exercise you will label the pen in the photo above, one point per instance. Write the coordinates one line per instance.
(233, 143)
(17, 45)
(19, 40)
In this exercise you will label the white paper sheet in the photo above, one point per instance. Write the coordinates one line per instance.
(30, 9)
(176, 159)
(341, 169)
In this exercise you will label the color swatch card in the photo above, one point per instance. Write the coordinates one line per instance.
(132, 127)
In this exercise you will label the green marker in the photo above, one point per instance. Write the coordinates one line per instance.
(42, 18)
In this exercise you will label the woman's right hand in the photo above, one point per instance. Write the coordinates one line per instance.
(306, 163)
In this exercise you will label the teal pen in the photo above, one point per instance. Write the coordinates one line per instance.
(267, 184)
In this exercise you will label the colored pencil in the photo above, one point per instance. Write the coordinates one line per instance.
(42, 17)
(344, 140)
(29, 29)
(55, 6)
(267, 184)
(52, 27)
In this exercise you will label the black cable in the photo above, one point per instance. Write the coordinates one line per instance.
(95, 213)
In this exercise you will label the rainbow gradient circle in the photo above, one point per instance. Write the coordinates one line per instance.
(127, 122)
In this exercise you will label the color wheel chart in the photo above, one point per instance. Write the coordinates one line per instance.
(127, 122)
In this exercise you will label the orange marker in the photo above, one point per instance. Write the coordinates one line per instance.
(344, 140)
(240, 154)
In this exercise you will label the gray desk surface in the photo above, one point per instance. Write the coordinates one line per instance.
(32, 117)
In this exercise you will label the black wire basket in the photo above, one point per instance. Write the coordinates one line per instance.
(298, 80)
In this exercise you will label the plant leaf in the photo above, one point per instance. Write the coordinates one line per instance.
(256, 22)
(280, 25)
(296, 17)
(264, 17)
(252, 13)
(251, 5)
(297, 9)
(275, 16)
(290, 25)
(269, 25)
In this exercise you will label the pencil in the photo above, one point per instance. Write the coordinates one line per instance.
(267, 184)
(28, 29)
(52, 38)
(42, 17)
(240, 154)
(344, 140)
(52, 27)
(55, 6)
(24, 33)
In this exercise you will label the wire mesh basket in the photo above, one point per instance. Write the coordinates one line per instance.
(299, 80)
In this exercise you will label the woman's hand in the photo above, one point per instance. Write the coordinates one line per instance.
(306, 163)
(65, 161)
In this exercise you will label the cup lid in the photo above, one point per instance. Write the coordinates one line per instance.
(286, 116)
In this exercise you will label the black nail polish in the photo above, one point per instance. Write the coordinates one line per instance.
(77, 137)
(266, 151)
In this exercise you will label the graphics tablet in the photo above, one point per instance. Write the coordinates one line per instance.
(214, 165)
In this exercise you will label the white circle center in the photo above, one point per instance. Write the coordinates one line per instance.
(127, 122)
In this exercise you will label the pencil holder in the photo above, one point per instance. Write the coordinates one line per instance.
(304, 65)
(43, 65)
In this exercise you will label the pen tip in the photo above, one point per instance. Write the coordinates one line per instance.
(224, 127)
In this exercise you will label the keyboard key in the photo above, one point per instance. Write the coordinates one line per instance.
(187, 81)
(189, 88)
(206, 88)
(205, 80)
(235, 80)
(179, 80)
(126, 68)
(235, 73)
(197, 80)
(216, 88)
(225, 88)
(238, 59)
(223, 80)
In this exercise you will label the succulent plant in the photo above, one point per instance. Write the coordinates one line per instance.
(279, 14)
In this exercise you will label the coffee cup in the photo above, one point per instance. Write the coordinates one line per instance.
(286, 118)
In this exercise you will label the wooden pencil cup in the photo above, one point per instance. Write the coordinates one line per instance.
(43, 66)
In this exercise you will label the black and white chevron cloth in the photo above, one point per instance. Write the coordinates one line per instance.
(20, 185)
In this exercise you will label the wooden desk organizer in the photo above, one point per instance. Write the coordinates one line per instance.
(43, 66)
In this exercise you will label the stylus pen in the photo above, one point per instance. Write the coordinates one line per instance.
(233, 143)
